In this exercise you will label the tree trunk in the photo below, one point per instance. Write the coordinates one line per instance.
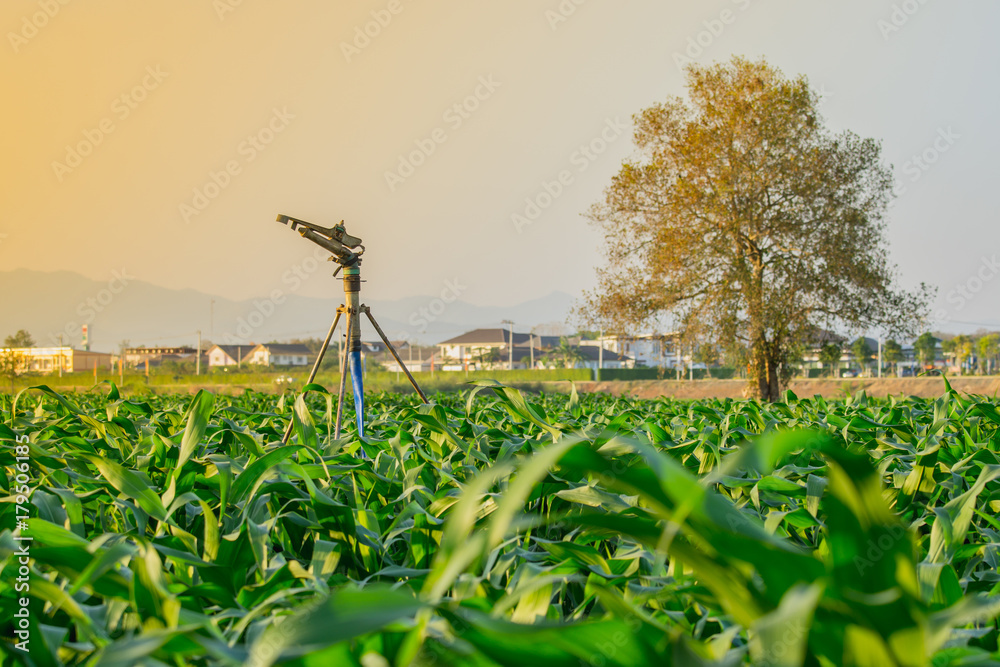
(765, 367)
(773, 378)
(760, 373)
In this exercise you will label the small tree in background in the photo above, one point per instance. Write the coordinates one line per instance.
(988, 348)
(488, 358)
(565, 355)
(963, 351)
(862, 352)
(707, 354)
(829, 356)
(926, 348)
(892, 353)
(959, 349)
(948, 349)
(21, 339)
(12, 364)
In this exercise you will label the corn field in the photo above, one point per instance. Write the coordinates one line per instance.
(495, 528)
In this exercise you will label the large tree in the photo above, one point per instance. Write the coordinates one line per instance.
(743, 218)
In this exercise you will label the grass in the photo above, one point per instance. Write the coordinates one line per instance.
(493, 529)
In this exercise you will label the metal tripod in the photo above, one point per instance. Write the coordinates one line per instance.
(346, 250)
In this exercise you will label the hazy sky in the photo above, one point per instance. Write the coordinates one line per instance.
(163, 137)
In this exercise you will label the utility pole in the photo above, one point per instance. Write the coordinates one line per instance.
(600, 352)
(880, 357)
(60, 355)
(211, 320)
(510, 344)
(531, 348)
(197, 359)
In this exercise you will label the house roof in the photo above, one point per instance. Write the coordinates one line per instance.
(587, 353)
(378, 347)
(820, 336)
(285, 348)
(177, 349)
(540, 341)
(235, 351)
(593, 353)
(488, 337)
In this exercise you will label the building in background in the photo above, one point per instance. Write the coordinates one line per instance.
(220, 356)
(490, 349)
(138, 356)
(47, 360)
(279, 354)
(585, 356)
(651, 351)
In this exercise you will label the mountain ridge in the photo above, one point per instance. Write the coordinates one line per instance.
(50, 304)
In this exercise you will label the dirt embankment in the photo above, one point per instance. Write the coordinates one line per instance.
(929, 387)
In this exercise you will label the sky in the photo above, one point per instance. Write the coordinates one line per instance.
(462, 141)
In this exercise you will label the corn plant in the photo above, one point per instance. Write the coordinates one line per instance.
(495, 528)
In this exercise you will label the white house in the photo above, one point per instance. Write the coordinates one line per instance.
(229, 355)
(279, 354)
(487, 349)
(651, 351)
(57, 359)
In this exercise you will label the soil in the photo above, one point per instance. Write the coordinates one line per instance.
(929, 387)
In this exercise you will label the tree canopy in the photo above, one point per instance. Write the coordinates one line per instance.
(892, 352)
(862, 351)
(987, 348)
(743, 219)
(21, 339)
(829, 356)
(926, 348)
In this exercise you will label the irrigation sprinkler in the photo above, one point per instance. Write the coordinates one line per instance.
(346, 251)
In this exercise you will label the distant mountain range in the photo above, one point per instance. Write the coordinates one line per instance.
(60, 302)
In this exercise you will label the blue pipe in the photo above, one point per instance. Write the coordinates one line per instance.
(358, 385)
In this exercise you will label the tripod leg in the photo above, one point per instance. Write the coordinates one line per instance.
(395, 356)
(315, 369)
(343, 381)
